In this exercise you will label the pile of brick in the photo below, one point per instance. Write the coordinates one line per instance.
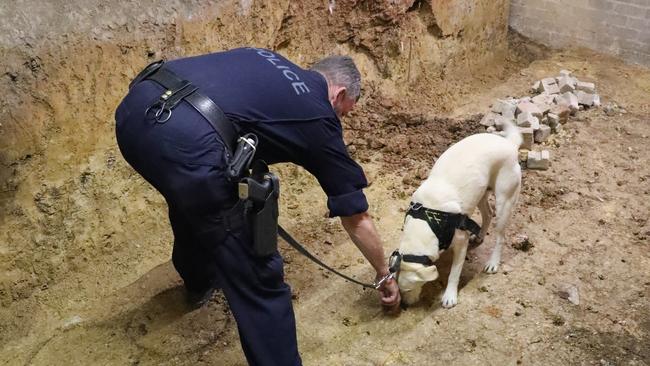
(543, 113)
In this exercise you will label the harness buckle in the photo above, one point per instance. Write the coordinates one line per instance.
(415, 206)
(394, 262)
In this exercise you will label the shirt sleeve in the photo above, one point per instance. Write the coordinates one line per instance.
(339, 175)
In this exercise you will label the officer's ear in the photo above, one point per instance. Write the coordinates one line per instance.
(340, 95)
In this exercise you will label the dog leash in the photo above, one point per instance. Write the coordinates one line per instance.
(302, 250)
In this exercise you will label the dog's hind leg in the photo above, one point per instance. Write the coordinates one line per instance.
(459, 248)
(486, 219)
(507, 192)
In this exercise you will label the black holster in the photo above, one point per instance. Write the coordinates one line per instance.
(242, 157)
(260, 192)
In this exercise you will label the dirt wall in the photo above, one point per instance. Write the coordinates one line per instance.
(68, 201)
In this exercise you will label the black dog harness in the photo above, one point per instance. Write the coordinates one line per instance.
(443, 224)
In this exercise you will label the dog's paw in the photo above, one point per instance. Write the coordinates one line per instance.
(491, 268)
(449, 300)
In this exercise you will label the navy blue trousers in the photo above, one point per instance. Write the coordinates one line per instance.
(184, 160)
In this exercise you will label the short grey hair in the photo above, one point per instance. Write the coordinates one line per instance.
(341, 71)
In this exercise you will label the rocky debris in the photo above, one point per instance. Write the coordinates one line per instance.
(528, 107)
(558, 320)
(568, 99)
(561, 111)
(542, 134)
(527, 135)
(566, 84)
(505, 108)
(541, 114)
(548, 86)
(586, 99)
(570, 293)
(613, 109)
(553, 120)
(522, 242)
(527, 120)
(586, 87)
(536, 87)
(488, 119)
(500, 121)
(543, 99)
(523, 155)
(538, 159)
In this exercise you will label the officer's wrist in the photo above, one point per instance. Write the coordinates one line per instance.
(382, 273)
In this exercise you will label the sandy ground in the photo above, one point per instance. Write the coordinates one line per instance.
(587, 218)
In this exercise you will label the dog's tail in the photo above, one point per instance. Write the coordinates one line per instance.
(512, 132)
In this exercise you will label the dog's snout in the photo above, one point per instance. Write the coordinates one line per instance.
(403, 305)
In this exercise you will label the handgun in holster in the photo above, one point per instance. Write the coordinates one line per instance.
(261, 191)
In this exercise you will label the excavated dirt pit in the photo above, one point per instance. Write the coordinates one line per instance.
(587, 217)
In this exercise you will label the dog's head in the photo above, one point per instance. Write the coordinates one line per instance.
(416, 270)
(412, 276)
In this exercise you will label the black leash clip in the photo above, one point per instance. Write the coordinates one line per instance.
(394, 262)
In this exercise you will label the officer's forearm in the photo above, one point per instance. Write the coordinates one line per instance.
(364, 235)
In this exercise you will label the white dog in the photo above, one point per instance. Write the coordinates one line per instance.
(459, 182)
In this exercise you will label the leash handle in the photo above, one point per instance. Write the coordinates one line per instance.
(294, 243)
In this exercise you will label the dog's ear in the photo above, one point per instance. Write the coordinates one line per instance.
(428, 273)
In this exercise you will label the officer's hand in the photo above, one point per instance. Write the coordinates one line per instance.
(389, 295)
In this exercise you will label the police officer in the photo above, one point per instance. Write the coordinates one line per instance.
(295, 114)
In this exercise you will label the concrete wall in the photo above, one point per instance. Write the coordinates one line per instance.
(619, 27)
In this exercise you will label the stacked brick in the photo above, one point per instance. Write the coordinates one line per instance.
(538, 116)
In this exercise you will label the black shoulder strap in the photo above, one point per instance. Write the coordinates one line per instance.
(466, 223)
(204, 105)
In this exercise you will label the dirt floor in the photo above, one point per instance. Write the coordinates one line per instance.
(587, 217)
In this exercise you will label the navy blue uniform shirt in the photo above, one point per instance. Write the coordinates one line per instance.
(287, 107)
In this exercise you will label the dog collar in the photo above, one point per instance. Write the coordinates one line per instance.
(422, 259)
(396, 259)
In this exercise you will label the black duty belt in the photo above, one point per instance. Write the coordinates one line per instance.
(179, 90)
(443, 224)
